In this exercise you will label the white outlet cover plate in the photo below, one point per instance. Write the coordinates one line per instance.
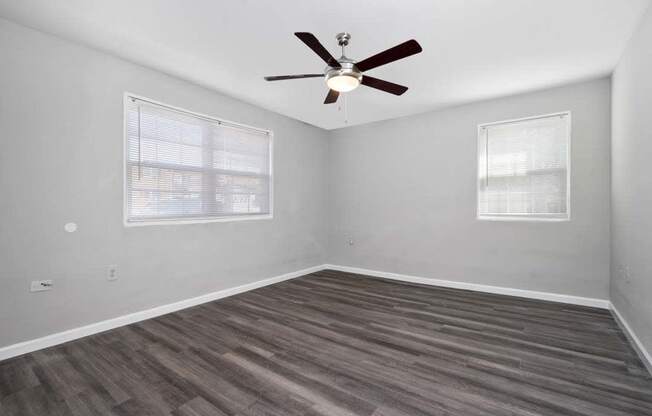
(41, 285)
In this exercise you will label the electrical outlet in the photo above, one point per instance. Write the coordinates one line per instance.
(41, 285)
(112, 273)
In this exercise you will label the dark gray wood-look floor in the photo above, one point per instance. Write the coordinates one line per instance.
(336, 344)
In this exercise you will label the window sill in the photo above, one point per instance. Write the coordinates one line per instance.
(179, 221)
(524, 218)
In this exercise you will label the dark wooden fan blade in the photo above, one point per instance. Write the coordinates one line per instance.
(401, 51)
(386, 86)
(284, 77)
(331, 97)
(312, 42)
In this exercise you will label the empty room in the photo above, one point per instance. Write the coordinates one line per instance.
(311, 208)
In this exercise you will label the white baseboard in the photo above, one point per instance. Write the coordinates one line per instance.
(75, 333)
(553, 297)
(640, 349)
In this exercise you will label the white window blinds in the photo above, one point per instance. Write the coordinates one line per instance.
(183, 166)
(523, 168)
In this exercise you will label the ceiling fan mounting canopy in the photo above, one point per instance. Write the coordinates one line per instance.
(343, 38)
(345, 74)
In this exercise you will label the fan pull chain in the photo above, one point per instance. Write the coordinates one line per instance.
(346, 111)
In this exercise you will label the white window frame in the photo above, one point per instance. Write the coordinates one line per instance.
(196, 220)
(526, 217)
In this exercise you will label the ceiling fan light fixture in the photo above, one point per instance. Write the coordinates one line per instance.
(343, 83)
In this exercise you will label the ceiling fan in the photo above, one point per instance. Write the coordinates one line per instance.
(345, 74)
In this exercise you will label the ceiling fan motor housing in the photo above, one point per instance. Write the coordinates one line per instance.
(347, 68)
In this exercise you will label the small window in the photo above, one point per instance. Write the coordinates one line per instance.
(523, 168)
(182, 166)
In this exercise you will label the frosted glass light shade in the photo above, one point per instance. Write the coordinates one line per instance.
(343, 83)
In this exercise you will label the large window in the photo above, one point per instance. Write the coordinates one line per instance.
(182, 166)
(523, 168)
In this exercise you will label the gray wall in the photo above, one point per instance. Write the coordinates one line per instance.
(631, 184)
(61, 160)
(405, 191)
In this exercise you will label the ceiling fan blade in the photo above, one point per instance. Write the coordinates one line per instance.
(312, 42)
(386, 86)
(401, 51)
(284, 77)
(331, 97)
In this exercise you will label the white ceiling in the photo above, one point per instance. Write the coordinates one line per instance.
(472, 49)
